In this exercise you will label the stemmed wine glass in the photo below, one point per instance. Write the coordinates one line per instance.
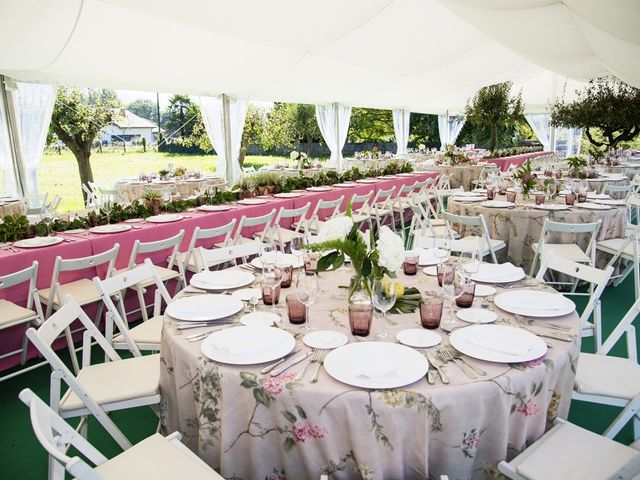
(251, 184)
(298, 250)
(471, 259)
(307, 291)
(268, 255)
(272, 277)
(384, 296)
(442, 248)
(449, 292)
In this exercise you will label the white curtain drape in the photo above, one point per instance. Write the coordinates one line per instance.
(568, 141)
(6, 161)
(35, 105)
(449, 127)
(540, 123)
(401, 120)
(215, 119)
(333, 121)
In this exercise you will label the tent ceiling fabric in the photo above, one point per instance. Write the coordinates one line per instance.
(419, 55)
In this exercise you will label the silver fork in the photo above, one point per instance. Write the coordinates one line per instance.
(319, 363)
(455, 354)
(314, 358)
(446, 356)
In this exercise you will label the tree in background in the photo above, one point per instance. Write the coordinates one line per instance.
(608, 111)
(144, 108)
(289, 124)
(254, 127)
(370, 125)
(180, 116)
(78, 116)
(423, 128)
(493, 107)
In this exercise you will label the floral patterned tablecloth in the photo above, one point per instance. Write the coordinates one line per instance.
(253, 426)
(15, 207)
(520, 227)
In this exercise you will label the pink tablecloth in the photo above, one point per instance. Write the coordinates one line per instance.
(81, 246)
(517, 160)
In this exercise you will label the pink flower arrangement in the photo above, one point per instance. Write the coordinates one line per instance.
(275, 385)
(528, 409)
(303, 431)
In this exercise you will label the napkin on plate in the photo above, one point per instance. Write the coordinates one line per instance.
(516, 346)
(238, 346)
(374, 367)
(491, 272)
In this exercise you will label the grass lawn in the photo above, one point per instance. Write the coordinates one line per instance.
(58, 173)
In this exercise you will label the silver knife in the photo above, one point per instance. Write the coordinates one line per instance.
(293, 362)
(187, 326)
(438, 366)
(431, 374)
(273, 365)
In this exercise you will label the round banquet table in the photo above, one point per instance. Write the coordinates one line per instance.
(14, 207)
(461, 175)
(597, 184)
(520, 227)
(130, 191)
(253, 426)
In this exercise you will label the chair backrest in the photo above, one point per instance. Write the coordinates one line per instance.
(216, 256)
(55, 435)
(296, 213)
(479, 223)
(204, 233)
(29, 274)
(116, 285)
(580, 271)
(247, 222)
(571, 228)
(92, 197)
(327, 205)
(444, 182)
(624, 327)
(617, 188)
(157, 246)
(360, 202)
(383, 198)
(405, 190)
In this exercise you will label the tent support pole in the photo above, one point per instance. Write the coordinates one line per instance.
(226, 121)
(8, 98)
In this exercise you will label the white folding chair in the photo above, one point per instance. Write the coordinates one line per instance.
(444, 182)
(35, 203)
(332, 206)
(281, 235)
(486, 172)
(488, 245)
(255, 223)
(186, 259)
(206, 259)
(615, 381)
(91, 201)
(13, 315)
(361, 209)
(154, 457)
(569, 249)
(570, 452)
(164, 273)
(626, 250)
(597, 280)
(148, 334)
(83, 291)
(100, 388)
(401, 203)
(617, 191)
(422, 230)
(381, 207)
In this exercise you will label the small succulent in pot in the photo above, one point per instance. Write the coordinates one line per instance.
(153, 202)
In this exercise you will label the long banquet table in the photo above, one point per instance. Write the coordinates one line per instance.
(254, 426)
(76, 246)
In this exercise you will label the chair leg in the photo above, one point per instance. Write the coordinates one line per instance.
(72, 350)
(143, 305)
(629, 412)
(25, 345)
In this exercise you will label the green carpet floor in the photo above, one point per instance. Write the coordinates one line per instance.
(23, 458)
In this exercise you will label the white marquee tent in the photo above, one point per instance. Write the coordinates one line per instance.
(408, 55)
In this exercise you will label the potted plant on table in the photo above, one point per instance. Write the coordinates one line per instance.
(153, 202)
(528, 180)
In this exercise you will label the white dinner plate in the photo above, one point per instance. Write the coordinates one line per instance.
(427, 256)
(205, 307)
(134, 220)
(469, 194)
(325, 339)
(222, 279)
(247, 345)
(115, 228)
(418, 338)
(37, 242)
(497, 204)
(498, 343)
(288, 195)
(494, 273)
(260, 319)
(476, 315)
(551, 207)
(246, 294)
(406, 175)
(376, 365)
(458, 198)
(252, 201)
(166, 218)
(367, 180)
(483, 290)
(534, 303)
(431, 271)
(598, 196)
(345, 185)
(281, 259)
(318, 189)
(592, 206)
(214, 208)
(615, 202)
(75, 231)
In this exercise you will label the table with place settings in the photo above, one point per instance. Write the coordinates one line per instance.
(249, 424)
(11, 206)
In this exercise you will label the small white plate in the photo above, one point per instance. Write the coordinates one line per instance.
(598, 196)
(246, 294)
(433, 271)
(615, 202)
(260, 319)
(75, 231)
(214, 208)
(325, 339)
(37, 242)
(345, 185)
(281, 259)
(476, 315)
(252, 201)
(116, 228)
(166, 218)
(406, 175)
(592, 206)
(468, 199)
(134, 220)
(318, 189)
(418, 338)
(497, 204)
(288, 195)
(367, 180)
(483, 290)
